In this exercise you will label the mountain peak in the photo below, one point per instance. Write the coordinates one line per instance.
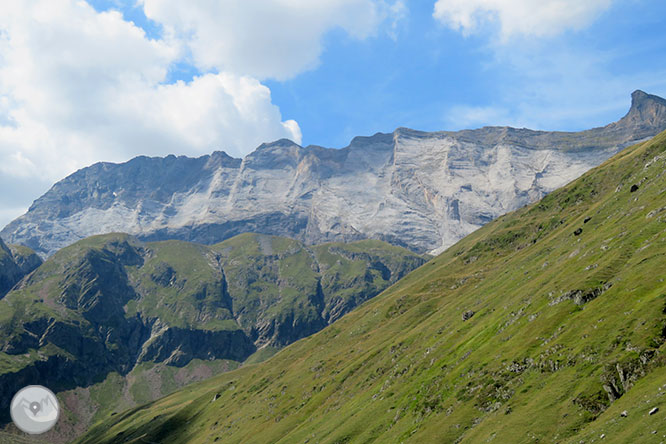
(646, 109)
(280, 143)
(647, 106)
(274, 155)
(639, 98)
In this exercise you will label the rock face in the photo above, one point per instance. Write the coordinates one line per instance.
(110, 302)
(421, 190)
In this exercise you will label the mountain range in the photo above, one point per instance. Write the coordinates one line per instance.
(161, 272)
(420, 190)
(546, 325)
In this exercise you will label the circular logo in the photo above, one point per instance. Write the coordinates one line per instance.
(35, 409)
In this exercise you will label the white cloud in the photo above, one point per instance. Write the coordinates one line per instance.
(78, 86)
(519, 17)
(397, 12)
(551, 85)
(261, 38)
(465, 116)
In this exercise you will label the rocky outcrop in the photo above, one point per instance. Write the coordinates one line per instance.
(177, 346)
(421, 190)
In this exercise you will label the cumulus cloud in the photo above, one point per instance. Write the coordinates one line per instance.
(79, 86)
(519, 17)
(264, 39)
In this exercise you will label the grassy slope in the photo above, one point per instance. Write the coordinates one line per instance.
(557, 317)
(189, 288)
(14, 438)
(180, 283)
(183, 285)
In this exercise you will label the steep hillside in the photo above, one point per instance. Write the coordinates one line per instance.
(424, 191)
(16, 261)
(546, 325)
(111, 321)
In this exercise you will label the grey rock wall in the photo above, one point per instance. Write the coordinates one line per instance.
(421, 190)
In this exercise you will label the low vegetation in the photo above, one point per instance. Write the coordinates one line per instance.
(546, 325)
(111, 322)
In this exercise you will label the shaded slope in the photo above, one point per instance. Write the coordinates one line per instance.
(10, 273)
(542, 326)
(16, 261)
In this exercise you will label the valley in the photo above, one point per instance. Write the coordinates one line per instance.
(112, 321)
(546, 324)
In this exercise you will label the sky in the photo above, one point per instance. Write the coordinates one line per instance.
(107, 80)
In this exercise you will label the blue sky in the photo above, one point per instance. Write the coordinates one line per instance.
(108, 80)
(430, 72)
(424, 75)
